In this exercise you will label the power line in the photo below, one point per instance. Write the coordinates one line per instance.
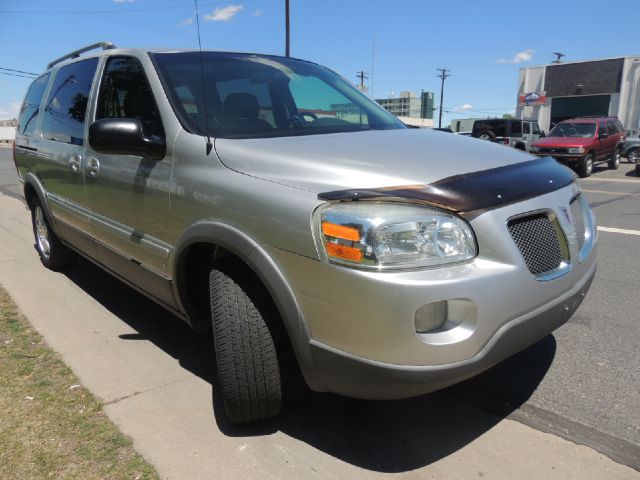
(112, 10)
(16, 75)
(19, 71)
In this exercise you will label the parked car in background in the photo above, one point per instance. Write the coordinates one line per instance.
(383, 262)
(520, 134)
(583, 142)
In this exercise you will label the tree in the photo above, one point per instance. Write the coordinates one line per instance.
(507, 116)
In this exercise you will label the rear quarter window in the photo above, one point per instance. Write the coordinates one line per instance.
(31, 106)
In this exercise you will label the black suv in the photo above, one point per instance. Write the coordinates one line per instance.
(518, 134)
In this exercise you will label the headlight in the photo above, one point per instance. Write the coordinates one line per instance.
(533, 148)
(576, 150)
(378, 235)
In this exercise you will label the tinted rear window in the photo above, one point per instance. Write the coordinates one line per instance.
(31, 106)
(66, 106)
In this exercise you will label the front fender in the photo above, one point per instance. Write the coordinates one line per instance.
(256, 258)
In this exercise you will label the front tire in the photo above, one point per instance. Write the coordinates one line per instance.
(53, 253)
(586, 167)
(248, 369)
(633, 156)
(614, 163)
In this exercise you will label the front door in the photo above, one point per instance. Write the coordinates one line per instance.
(129, 196)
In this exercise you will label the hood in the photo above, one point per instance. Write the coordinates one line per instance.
(363, 160)
(564, 142)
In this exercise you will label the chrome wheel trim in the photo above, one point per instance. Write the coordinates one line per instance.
(484, 137)
(589, 165)
(633, 156)
(617, 159)
(42, 233)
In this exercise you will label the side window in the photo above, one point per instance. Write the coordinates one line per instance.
(535, 128)
(526, 127)
(516, 127)
(31, 106)
(613, 127)
(602, 128)
(125, 93)
(66, 108)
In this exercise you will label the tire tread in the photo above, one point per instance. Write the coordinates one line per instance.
(248, 368)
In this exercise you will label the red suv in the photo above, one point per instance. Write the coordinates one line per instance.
(582, 142)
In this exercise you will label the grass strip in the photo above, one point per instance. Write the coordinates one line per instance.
(51, 427)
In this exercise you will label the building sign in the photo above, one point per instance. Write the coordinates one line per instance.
(533, 98)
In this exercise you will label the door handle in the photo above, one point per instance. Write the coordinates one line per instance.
(74, 164)
(93, 167)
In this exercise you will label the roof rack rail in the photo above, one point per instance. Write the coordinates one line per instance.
(76, 53)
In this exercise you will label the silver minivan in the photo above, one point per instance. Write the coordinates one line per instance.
(268, 201)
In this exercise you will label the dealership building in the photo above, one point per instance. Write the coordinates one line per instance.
(558, 91)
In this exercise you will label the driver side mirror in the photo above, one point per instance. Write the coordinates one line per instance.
(124, 136)
(542, 134)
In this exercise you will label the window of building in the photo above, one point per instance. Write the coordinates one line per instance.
(66, 107)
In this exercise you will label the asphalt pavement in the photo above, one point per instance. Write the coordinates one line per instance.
(581, 383)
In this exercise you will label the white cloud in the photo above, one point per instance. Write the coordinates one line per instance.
(185, 22)
(523, 56)
(257, 13)
(462, 108)
(224, 14)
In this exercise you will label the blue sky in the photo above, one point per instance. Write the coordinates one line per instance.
(483, 44)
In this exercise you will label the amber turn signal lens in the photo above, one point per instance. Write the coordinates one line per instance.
(340, 231)
(342, 251)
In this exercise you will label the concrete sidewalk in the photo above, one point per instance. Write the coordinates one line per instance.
(155, 378)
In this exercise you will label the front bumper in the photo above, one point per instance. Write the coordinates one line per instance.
(353, 376)
(564, 158)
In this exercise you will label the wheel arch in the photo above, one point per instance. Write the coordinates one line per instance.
(203, 241)
(33, 188)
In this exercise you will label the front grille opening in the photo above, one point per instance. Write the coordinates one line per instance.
(537, 239)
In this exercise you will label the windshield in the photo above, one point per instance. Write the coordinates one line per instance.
(577, 130)
(250, 96)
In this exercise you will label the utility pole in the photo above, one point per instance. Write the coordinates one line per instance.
(444, 73)
(287, 51)
(362, 76)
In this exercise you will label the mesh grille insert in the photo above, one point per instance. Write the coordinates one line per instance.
(577, 212)
(537, 241)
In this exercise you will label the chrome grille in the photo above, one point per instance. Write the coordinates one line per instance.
(577, 213)
(537, 240)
